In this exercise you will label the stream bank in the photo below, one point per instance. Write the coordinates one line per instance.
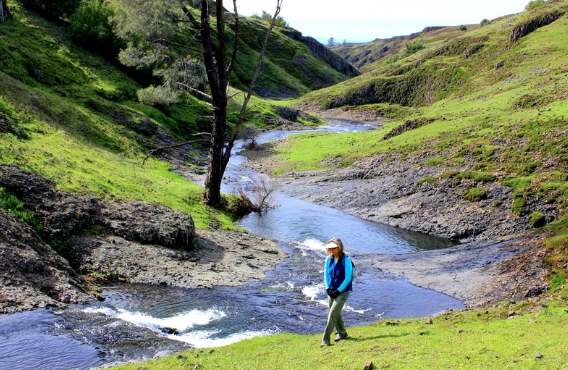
(499, 258)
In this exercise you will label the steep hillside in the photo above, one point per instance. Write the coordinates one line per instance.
(295, 64)
(368, 56)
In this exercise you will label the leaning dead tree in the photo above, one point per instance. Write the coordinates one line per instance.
(3, 10)
(153, 30)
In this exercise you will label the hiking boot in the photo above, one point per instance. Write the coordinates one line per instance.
(340, 337)
(324, 344)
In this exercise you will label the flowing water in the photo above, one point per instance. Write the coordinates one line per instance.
(141, 321)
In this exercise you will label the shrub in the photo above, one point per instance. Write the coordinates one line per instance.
(52, 9)
(267, 17)
(463, 28)
(537, 219)
(475, 194)
(484, 22)
(90, 25)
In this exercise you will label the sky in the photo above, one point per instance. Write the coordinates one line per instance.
(366, 20)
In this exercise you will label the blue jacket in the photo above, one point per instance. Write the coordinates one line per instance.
(338, 275)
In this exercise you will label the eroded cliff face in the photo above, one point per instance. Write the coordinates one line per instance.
(34, 275)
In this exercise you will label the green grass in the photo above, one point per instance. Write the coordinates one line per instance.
(475, 194)
(486, 339)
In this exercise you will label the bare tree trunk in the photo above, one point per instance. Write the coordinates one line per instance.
(218, 71)
(218, 82)
(3, 10)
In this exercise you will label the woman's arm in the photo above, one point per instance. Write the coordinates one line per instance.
(326, 273)
(348, 273)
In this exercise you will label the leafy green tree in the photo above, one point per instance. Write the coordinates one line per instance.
(52, 9)
(160, 36)
(331, 42)
(267, 17)
(90, 25)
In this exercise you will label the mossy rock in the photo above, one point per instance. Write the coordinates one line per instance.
(537, 219)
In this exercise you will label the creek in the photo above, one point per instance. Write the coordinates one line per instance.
(138, 322)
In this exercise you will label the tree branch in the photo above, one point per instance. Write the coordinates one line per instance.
(227, 154)
(195, 90)
(190, 16)
(173, 146)
(235, 41)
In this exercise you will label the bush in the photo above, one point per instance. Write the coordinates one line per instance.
(90, 25)
(52, 9)
(267, 17)
(534, 4)
(484, 22)
(537, 219)
(463, 28)
(475, 194)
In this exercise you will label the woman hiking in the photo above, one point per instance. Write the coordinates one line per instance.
(337, 279)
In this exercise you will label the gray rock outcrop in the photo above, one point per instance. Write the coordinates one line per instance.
(32, 275)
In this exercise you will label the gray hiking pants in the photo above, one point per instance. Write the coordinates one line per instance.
(334, 319)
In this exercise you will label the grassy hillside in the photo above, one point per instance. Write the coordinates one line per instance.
(369, 56)
(478, 102)
(291, 68)
(73, 116)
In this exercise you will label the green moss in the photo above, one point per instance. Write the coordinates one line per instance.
(475, 194)
(477, 176)
(518, 205)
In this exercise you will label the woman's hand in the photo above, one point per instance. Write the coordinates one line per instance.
(333, 293)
